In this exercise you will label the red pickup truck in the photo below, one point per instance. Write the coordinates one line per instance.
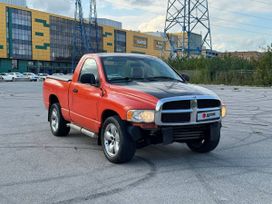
(129, 101)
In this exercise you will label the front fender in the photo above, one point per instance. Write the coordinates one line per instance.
(121, 104)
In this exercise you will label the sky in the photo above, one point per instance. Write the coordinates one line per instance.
(244, 25)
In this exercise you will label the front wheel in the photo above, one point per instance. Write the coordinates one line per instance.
(117, 145)
(209, 142)
(57, 123)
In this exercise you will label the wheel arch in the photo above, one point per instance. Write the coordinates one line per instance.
(105, 114)
(52, 99)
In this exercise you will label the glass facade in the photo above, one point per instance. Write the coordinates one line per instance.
(19, 34)
(62, 40)
(91, 35)
(120, 41)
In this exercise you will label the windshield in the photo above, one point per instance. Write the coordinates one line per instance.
(120, 69)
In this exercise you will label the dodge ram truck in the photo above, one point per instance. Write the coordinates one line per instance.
(129, 101)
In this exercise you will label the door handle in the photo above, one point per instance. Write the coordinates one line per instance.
(75, 90)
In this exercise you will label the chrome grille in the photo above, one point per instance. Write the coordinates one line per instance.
(184, 110)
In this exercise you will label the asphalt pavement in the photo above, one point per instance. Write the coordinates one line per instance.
(36, 167)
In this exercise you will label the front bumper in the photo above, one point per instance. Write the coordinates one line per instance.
(169, 134)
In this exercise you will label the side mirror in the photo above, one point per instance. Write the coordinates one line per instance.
(88, 79)
(185, 77)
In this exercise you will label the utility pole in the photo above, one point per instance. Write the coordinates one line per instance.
(94, 24)
(187, 17)
(81, 45)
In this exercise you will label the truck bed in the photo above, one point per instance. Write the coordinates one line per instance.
(67, 77)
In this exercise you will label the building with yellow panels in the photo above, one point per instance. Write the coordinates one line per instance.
(36, 41)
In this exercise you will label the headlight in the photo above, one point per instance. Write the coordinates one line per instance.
(141, 116)
(223, 111)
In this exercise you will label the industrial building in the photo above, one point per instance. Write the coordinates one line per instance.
(36, 41)
(247, 55)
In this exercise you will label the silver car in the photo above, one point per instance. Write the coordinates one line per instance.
(31, 76)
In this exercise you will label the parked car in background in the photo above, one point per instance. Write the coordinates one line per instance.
(17, 75)
(42, 76)
(31, 76)
(5, 77)
(58, 74)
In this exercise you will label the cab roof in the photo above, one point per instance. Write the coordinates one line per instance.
(121, 55)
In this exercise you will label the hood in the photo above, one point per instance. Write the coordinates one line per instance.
(164, 89)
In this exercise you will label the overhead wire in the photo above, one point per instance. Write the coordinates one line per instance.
(241, 29)
(211, 5)
(247, 24)
(243, 23)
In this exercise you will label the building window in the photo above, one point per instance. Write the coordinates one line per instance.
(39, 34)
(120, 41)
(158, 45)
(107, 34)
(19, 34)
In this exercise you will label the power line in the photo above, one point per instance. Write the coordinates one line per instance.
(257, 1)
(242, 14)
(263, 2)
(259, 26)
(240, 29)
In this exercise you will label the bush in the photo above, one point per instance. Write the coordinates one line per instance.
(227, 70)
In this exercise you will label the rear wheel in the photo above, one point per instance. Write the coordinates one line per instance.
(209, 142)
(117, 145)
(58, 124)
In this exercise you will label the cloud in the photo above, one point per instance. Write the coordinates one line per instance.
(242, 6)
(151, 6)
(231, 20)
(226, 42)
(155, 24)
(61, 7)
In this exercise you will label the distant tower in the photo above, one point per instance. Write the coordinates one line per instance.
(187, 17)
(81, 44)
(94, 25)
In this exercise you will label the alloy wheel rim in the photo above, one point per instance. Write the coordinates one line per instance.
(54, 120)
(111, 140)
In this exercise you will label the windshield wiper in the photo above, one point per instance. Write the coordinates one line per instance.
(126, 79)
(163, 78)
(117, 79)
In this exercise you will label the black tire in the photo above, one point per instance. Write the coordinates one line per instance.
(127, 146)
(209, 142)
(61, 130)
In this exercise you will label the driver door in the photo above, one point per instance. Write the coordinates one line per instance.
(84, 98)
